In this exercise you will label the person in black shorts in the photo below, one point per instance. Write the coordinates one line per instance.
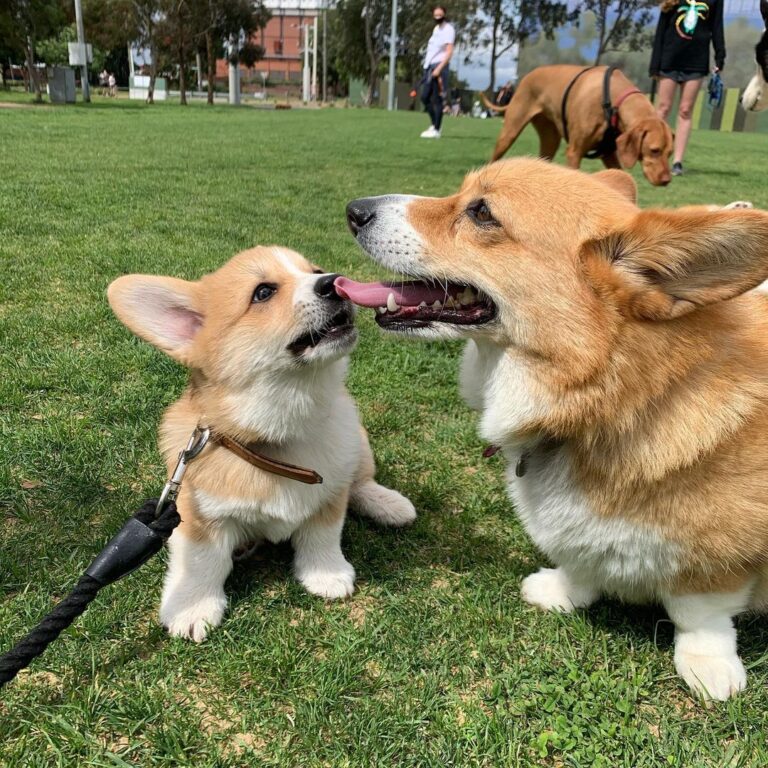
(681, 57)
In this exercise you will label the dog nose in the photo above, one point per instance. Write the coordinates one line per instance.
(324, 287)
(359, 213)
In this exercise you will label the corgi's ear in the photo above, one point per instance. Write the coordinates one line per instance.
(161, 310)
(619, 181)
(664, 264)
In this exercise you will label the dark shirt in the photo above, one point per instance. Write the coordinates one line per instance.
(683, 36)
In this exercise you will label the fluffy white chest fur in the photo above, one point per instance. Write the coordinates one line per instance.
(330, 444)
(613, 554)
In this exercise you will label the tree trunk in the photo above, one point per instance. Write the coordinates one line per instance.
(152, 75)
(211, 64)
(34, 75)
(496, 24)
(373, 59)
(182, 78)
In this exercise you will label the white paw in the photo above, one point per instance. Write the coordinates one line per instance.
(383, 505)
(712, 677)
(552, 590)
(330, 583)
(738, 204)
(192, 620)
(547, 589)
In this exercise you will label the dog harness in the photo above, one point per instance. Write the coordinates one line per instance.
(607, 143)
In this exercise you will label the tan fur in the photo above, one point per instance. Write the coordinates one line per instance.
(248, 381)
(538, 100)
(635, 328)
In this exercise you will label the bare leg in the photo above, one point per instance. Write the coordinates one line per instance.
(193, 595)
(318, 561)
(684, 114)
(665, 96)
(554, 590)
(370, 499)
(705, 641)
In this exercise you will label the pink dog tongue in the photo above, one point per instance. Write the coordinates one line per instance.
(409, 294)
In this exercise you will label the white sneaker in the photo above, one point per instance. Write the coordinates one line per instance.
(430, 133)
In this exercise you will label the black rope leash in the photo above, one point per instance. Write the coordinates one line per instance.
(142, 536)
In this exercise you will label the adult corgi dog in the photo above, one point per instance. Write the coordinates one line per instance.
(266, 339)
(619, 358)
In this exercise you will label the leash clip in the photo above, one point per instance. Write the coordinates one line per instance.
(197, 441)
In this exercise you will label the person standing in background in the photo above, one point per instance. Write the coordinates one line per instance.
(681, 57)
(435, 82)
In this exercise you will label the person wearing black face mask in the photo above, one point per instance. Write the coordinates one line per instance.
(435, 82)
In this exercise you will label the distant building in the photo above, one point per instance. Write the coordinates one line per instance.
(283, 39)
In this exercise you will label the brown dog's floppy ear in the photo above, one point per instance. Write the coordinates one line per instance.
(620, 182)
(161, 310)
(667, 263)
(628, 146)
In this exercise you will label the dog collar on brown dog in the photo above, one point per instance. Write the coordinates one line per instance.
(275, 467)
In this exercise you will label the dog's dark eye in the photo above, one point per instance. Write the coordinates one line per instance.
(481, 213)
(263, 292)
(317, 271)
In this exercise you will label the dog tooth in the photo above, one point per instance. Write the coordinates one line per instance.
(392, 305)
(423, 305)
(437, 305)
(449, 303)
(467, 296)
(381, 310)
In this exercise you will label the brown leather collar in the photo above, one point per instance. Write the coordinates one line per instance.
(282, 468)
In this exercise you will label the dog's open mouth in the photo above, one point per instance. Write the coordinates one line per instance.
(335, 329)
(418, 303)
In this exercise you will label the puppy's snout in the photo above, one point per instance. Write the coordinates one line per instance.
(359, 213)
(324, 287)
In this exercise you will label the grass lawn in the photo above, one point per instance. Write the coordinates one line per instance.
(435, 661)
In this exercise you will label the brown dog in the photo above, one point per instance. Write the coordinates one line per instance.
(539, 99)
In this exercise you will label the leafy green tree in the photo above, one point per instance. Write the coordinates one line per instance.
(23, 23)
(621, 25)
(501, 24)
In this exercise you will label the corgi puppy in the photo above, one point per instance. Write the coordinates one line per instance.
(619, 358)
(266, 339)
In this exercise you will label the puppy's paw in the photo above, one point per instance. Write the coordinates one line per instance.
(712, 677)
(330, 582)
(192, 620)
(738, 204)
(552, 590)
(383, 505)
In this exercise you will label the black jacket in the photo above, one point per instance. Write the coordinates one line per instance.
(683, 36)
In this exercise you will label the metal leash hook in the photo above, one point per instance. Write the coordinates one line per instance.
(197, 442)
(136, 542)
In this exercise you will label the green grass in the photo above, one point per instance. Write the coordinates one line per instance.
(434, 661)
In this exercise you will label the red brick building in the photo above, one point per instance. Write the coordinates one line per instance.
(283, 41)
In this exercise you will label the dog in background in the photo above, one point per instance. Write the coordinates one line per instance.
(267, 341)
(539, 99)
(755, 96)
(620, 360)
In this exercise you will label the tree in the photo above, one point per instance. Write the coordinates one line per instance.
(501, 24)
(23, 23)
(360, 32)
(233, 21)
(621, 25)
(113, 24)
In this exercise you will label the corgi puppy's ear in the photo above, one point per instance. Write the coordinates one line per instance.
(618, 181)
(665, 264)
(164, 311)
